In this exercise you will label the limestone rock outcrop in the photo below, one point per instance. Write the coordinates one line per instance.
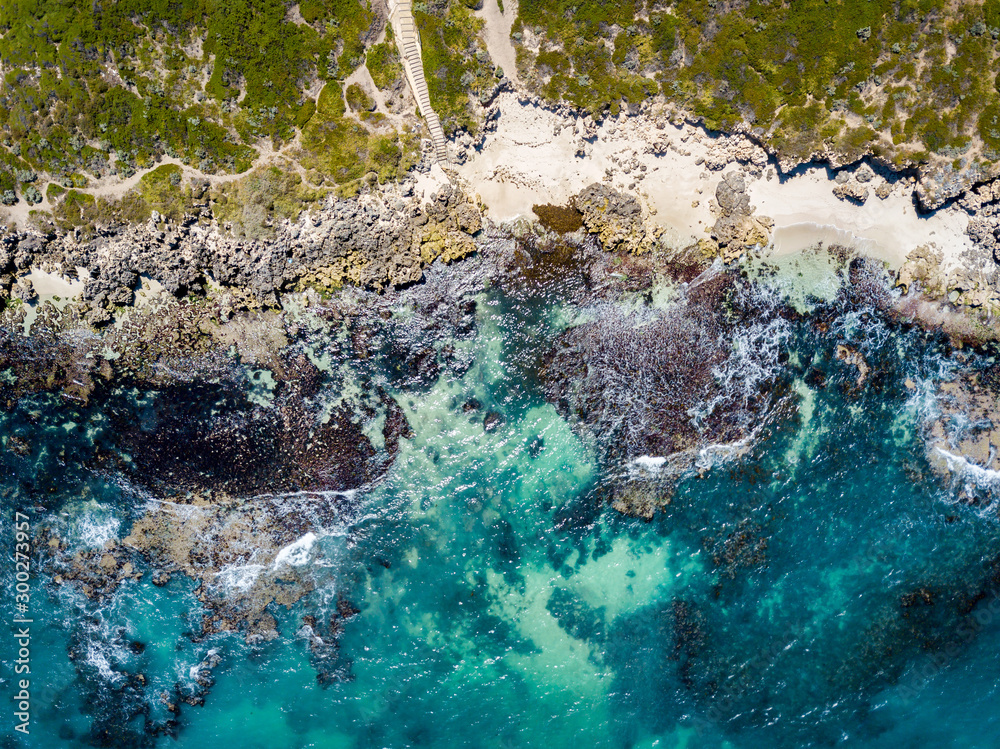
(368, 241)
(615, 217)
(737, 229)
(852, 190)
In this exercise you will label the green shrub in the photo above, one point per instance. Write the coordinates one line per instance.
(253, 203)
(454, 72)
(783, 67)
(76, 210)
(161, 190)
(305, 113)
(989, 126)
(54, 191)
(384, 65)
(330, 104)
(57, 97)
(312, 10)
(358, 99)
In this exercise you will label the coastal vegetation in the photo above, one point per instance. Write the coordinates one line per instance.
(903, 79)
(98, 93)
(95, 91)
(383, 63)
(456, 62)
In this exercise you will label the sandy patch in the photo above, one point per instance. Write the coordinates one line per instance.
(427, 183)
(19, 215)
(532, 158)
(50, 285)
(150, 290)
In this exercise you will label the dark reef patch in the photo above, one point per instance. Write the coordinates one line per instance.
(562, 219)
(650, 383)
(210, 436)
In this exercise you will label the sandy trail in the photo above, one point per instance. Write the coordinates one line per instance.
(113, 187)
(363, 78)
(497, 34)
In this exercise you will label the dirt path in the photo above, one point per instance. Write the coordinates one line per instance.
(113, 188)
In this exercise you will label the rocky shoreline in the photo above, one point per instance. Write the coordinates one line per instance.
(373, 242)
(391, 235)
(242, 460)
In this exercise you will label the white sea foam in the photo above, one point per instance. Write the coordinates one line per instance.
(755, 359)
(650, 463)
(100, 655)
(238, 578)
(348, 494)
(711, 455)
(99, 660)
(979, 482)
(95, 528)
(296, 554)
(686, 462)
(986, 477)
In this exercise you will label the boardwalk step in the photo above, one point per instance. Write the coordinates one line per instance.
(408, 42)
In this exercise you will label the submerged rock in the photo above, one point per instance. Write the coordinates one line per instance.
(664, 391)
(237, 448)
(247, 554)
(854, 358)
(962, 439)
(641, 498)
(492, 421)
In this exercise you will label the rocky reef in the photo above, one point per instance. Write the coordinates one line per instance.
(248, 554)
(241, 437)
(234, 435)
(962, 436)
(663, 391)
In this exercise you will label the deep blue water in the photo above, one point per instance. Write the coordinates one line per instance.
(823, 588)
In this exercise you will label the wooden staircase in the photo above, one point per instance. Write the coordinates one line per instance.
(408, 42)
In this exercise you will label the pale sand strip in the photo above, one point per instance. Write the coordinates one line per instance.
(49, 285)
(497, 34)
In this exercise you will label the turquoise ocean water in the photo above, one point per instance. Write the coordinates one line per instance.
(822, 589)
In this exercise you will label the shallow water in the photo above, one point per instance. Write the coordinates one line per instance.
(502, 604)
